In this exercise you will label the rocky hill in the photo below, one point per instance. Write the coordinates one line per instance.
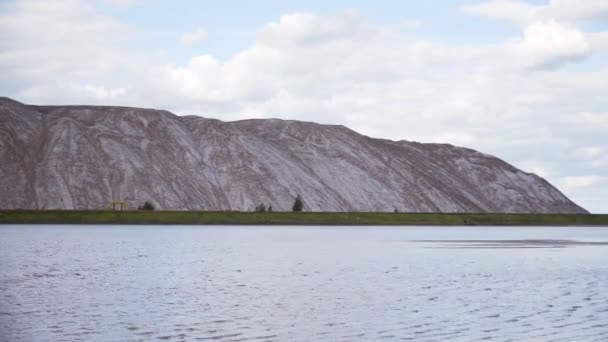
(83, 157)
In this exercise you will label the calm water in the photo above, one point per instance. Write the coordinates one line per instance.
(102, 283)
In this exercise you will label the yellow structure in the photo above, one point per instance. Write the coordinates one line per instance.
(118, 204)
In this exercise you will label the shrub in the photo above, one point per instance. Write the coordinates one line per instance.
(147, 205)
(260, 208)
(298, 204)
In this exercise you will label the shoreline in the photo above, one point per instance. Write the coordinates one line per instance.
(159, 217)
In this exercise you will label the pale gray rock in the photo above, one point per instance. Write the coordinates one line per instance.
(83, 157)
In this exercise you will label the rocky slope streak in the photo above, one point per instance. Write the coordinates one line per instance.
(85, 156)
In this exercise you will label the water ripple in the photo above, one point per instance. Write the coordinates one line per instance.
(279, 284)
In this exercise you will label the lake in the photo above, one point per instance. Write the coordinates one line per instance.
(142, 283)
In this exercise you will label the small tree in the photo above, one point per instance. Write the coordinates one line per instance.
(298, 204)
(147, 205)
(270, 208)
(260, 208)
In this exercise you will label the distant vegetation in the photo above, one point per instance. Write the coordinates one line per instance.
(147, 205)
(298, 204)
(294, 218)
(261, 208)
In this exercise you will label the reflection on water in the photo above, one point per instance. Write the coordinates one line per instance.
(535, 243)
(303, 283)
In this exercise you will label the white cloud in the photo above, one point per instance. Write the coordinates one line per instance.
(576, 9)
(516, 11)
(412, 24)
(580, 181)
(102, 93)
(549, 36)
(536, 167)
(524, 13)
(306, 29)
(549, 44)
(592, 119)
(193, 37)
(588, 152)
(599, 42)
(456, 138)
(49, 50)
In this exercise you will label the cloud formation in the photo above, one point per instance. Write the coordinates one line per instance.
(548, 44)
(530, 99)
(55, 49)
(523, 13)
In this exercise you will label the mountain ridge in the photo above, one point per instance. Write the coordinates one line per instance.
(83, 157)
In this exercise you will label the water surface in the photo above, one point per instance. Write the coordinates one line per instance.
(134, 283)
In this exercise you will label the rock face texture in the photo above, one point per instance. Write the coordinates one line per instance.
(83, 157)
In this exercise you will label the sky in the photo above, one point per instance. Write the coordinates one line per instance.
(526, 81)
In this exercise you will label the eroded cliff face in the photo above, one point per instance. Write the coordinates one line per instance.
(83, 157)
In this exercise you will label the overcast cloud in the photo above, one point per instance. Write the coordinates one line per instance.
(537, 99)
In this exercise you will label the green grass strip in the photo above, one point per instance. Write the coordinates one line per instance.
(290, 218)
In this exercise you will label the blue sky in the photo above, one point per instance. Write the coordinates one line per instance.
(523, 80)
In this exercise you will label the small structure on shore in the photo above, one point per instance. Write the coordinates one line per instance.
(118, 205)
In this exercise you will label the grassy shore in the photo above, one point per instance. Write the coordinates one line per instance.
(289, 218)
